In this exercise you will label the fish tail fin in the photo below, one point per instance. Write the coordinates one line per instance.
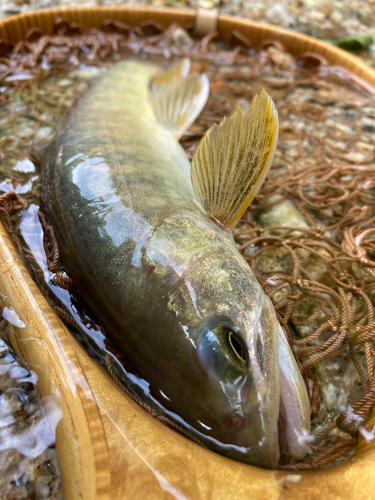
(233, 158)
(177, 99)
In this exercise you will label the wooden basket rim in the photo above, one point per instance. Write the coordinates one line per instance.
(329, 483)
(14, 28)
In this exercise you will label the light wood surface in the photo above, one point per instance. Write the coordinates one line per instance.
(108, 447)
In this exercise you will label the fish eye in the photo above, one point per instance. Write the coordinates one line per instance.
(236, 343)
(223, 353)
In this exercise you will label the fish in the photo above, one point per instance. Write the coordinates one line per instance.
(147, 237)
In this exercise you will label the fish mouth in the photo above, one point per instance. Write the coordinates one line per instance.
(294, 423)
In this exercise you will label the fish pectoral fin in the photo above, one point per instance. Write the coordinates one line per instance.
(176, 105)
(233, 159)
(171, 75)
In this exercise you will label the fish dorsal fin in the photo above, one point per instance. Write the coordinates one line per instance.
(176, 105)
(233, 159)
(171, 75)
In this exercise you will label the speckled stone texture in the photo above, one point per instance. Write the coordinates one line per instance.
(321, 18)
(28, 465)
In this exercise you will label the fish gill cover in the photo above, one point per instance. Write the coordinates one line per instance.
(308, 235)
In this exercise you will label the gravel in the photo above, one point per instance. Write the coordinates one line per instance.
(320, 18)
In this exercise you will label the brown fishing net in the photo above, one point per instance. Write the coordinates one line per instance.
(309, 236)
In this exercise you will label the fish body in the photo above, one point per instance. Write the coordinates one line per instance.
(165, 279)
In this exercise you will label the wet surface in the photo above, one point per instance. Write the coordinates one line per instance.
(28, 462)
(350, 136)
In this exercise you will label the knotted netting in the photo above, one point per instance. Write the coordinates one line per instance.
(308, 235)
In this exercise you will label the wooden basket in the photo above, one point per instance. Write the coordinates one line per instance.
(108, 447)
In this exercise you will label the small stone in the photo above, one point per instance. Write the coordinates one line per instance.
(356, 156)
(365, 146)
(367, 124)
(207, 4)
(339, 129)
(65, 82)
(181, 38)
(87, 73)
(368, 111)
(283, 214)
(337, 17)
(280, 59)
(358, 270)
(330, 396)
(316, 16)
(43, 133)
(278, 14)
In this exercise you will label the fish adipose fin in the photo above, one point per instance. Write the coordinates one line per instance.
(176, 104)
(171, 75)
(233, 159)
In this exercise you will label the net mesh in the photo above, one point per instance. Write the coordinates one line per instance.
(309, 234)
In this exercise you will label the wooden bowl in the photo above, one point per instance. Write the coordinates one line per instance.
(107, 446)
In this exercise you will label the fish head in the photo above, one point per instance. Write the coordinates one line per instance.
(236, 356)
(241, 372)
(216, 334)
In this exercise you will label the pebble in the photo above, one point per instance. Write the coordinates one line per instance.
(65, 82)
(367, 124)
(43, 133)
(181, 38)
(22, 475)
(86, 73)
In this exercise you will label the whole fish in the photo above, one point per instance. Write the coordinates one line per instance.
(150, 247)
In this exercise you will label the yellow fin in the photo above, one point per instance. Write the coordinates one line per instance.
(233, 159)
(172, 74)
(176, 105)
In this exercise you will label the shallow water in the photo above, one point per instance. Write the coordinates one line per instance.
(28, 462)
(348, 134)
